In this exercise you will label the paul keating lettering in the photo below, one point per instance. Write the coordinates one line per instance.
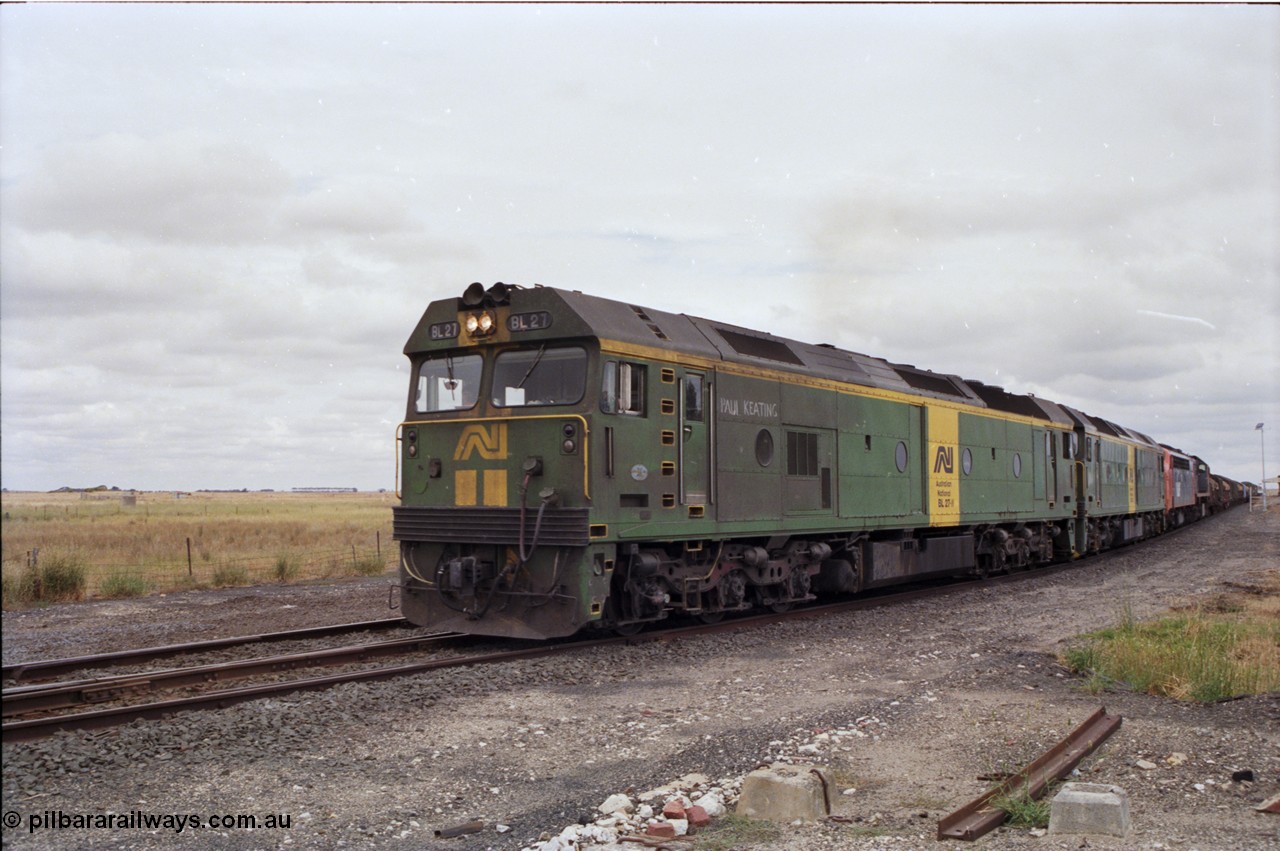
(748, 408)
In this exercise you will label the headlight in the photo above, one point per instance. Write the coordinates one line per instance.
(480, 324)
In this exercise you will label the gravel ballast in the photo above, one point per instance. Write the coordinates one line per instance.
(909, 707)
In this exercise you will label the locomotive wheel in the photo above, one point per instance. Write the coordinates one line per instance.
(779, 608)
(711, 617)
(628, 629)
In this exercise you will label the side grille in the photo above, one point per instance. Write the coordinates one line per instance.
(561, 527)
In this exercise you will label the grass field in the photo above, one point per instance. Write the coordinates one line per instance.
(123, 549)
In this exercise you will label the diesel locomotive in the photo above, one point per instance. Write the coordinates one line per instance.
(569, 462)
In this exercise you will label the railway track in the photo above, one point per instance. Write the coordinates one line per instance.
(45, 669)
(24, 700)
(21, 703)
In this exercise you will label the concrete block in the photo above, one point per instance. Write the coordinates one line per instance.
(1094, 808)
(782, 793)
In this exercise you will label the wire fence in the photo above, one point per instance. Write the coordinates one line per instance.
(62, 576)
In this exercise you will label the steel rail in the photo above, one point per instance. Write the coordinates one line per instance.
(978, 817)
(24, 700)
(45, 668)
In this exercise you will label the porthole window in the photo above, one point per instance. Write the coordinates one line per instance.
(966, 461)
(1017, 466)
(764, 448)
(900, 457)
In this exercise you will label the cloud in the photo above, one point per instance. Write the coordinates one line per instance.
(183, 187)
(219, 225)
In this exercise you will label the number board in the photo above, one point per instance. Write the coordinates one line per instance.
(536, 321)
(445, 330)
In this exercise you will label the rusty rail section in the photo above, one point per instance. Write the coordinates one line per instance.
(978, 817)
(47, 668)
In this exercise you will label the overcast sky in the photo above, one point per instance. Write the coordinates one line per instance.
(219, 224)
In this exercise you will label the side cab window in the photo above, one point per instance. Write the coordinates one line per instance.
(622, 388)
(693, 398)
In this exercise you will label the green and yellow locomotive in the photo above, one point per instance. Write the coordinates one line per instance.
(569, 461)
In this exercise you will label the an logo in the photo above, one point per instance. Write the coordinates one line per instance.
(489, 441)
(945, 460)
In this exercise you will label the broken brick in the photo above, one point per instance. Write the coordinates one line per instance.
(663, 829)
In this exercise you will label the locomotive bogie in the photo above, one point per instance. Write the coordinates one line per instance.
(569, 461)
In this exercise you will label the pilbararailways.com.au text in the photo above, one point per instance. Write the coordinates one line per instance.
(139, 820)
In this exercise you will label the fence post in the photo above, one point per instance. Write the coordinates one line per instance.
(189, 573)
(378, 539)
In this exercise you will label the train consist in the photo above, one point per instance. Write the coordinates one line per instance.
(569, 461)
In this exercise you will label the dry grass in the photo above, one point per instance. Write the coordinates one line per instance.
(1225, 645)
(235, 538)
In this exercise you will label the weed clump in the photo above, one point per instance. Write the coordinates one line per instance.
(119, 586)
(369, 565)
(63, 577)
(286, 568)
(229, 575)
(735, 831)
(1226, 649)
(1022, 809)
(58, 578)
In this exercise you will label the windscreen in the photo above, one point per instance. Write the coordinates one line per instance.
(541, 376)
(448, 383)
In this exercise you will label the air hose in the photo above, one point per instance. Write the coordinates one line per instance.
(548, 496)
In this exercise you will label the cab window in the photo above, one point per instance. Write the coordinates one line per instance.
(543, 376)
(448, 383)
(622, 388)
(693, 398)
